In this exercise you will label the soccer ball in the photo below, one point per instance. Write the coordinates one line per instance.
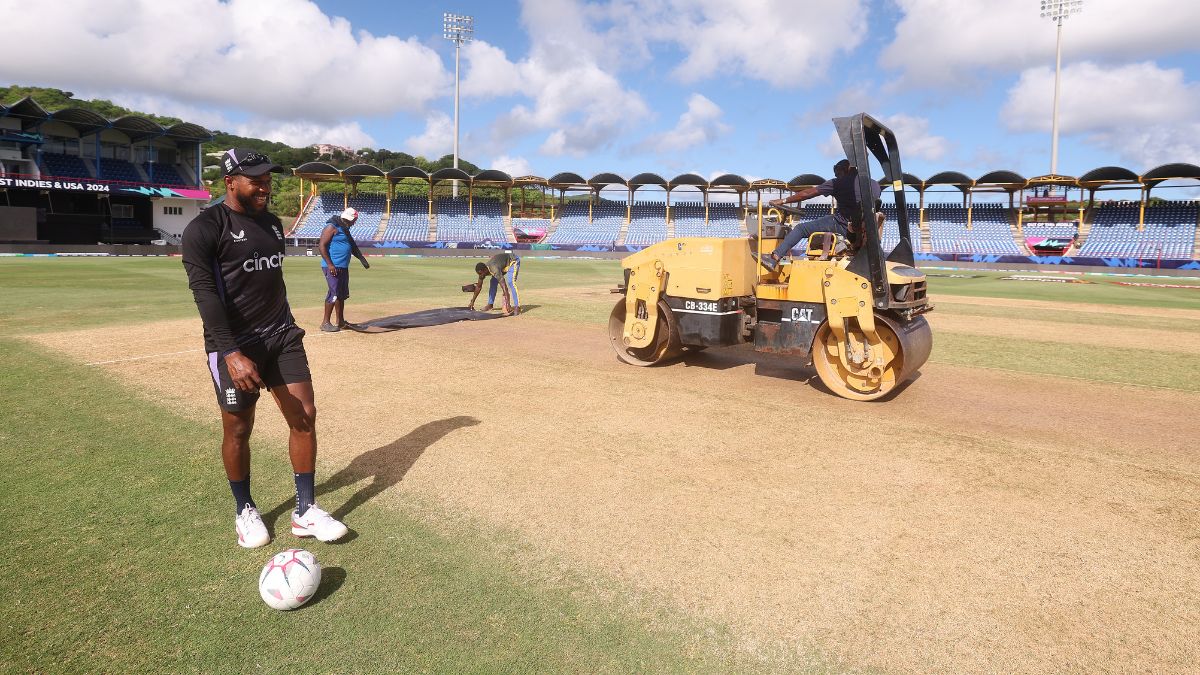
(289, 579)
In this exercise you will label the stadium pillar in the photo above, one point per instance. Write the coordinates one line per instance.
(1054, 121)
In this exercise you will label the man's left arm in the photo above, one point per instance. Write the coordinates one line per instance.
(806, 193)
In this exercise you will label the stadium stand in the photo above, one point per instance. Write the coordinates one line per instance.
(574, 228)
(647, 223)
(409, 220)
(487, 221)
(118, 169)
(724, 220)
(68, 166)
(165, 174)
(989, 234)
(1169, 232)
(327, 204)
(689, 219)
(370, 213)
(891, 226)
(453, 218)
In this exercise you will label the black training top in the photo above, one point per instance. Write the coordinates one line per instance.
(234, 264)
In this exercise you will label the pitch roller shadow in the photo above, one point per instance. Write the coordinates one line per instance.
(779, 366)
(385, 466)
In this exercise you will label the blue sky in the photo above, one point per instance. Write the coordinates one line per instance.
(667, 86)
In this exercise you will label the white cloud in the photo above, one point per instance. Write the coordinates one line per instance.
(914, 138)
(912, 135)
(1141, 112)
(571, 96)
(302, 134)
(942, 42)
(513, 166)
(570, 77)
(757, 39)
(276, 59)
(699, 124)
(437, 140)
(855, 98)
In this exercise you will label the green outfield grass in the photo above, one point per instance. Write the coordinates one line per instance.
(118, 551)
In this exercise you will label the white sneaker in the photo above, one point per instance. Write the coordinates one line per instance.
(251, 531)
(317, 523)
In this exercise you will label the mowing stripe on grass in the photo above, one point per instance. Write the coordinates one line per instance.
(1180, 372)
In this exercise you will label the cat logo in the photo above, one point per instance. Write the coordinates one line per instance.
(238, 236)
(800, 315)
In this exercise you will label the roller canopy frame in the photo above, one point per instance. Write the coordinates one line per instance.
(859, 134)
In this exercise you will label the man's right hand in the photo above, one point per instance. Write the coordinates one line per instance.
(243, 372)
(332, 271)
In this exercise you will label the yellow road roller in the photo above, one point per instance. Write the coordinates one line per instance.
(854, 311)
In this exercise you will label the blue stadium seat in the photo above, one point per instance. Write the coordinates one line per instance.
(165, 174)
(575, 229)
(989, 234)
(647, 223)
(1169, 232)
(409, 220)
(119, 170)
(67, 166)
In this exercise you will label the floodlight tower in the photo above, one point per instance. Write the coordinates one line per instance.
(459, 29)
(1056, 11)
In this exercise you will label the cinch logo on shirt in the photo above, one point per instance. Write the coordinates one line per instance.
(267, 262)
(238, 236)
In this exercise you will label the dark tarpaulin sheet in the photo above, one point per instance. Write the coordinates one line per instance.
(422, 319)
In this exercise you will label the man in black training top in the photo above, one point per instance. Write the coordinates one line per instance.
(233, 253)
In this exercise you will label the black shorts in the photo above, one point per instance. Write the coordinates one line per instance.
(280, 360)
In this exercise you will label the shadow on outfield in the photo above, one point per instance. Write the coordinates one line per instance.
(779, 366)
(384, 466)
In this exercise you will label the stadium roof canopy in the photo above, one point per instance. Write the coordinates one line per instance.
(1107, 174)
(449, 173)
(566, 179)
(908, 179)
(82, 120)
(186, 131)
(317, 171)
(493, 177)
(689, 179)
(1008, 180)
(730, 180)
(26, 109)
(360, 171)
(643, 179)
(1170, 172)
(805, 180)
(138, 128)
(603, 180)
(955, 178)
(401, 172)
